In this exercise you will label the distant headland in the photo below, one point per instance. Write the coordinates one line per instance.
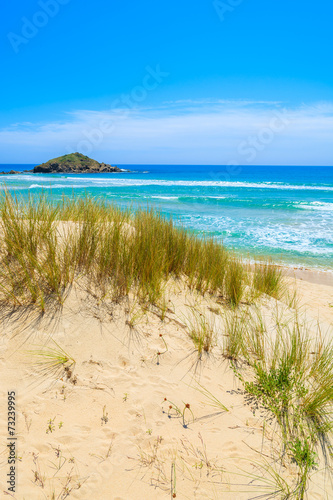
(74, 163)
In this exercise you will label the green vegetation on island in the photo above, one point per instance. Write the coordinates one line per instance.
(74, 163)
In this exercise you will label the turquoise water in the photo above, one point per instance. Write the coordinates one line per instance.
(286, 212)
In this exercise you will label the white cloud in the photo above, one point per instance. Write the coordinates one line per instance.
(200, 132)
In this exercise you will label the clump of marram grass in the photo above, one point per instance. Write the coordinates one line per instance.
(235, 281)
(268, 279)
(206, 265)
(32, 265)
(201, 332)
(52, 360)
(234, 337)
(255, 338)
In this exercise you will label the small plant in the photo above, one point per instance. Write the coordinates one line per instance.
(302, 454)
(57, 451)
(175, 412)
(277, 388)
(214, 402)
(190, 453)
(173, 480)
(235, 334)
(51, 360)
(50, 426)
(254, 338)
(135, 314)
(39, 478)
(125, 397)
(269, 479)
(151, 459)
(187, 408)
(105, 417)
(61, 460)
(160, 353)
(201, 332)
(27, 421)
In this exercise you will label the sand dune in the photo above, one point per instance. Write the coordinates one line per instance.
(101, 428)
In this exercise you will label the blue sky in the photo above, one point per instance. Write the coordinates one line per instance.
(167, 82)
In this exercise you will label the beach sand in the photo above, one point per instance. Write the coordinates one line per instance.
(101, 429)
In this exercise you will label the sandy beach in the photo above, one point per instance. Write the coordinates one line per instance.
(101, 427)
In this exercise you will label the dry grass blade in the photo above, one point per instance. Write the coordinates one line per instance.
(213, 401)
(52, 360)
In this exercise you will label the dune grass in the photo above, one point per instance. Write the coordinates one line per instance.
(52, 360)
(45, 247)
(201, 332)
(234, 335)
(267, 278)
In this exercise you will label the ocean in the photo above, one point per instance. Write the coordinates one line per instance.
(281, 211)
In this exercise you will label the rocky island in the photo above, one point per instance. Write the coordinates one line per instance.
(74, 163)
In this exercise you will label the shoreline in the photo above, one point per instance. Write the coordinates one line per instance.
(310, 275)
